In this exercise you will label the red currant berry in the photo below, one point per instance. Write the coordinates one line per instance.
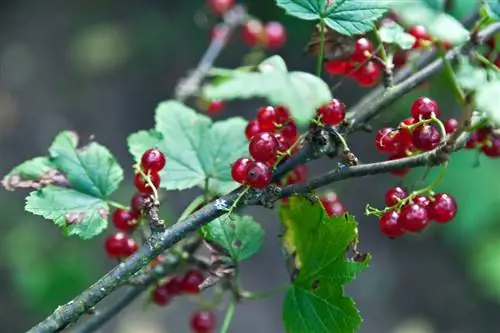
(263, 147)
(338, 67)
(253, 33)
(239, 169)
(421, 35)
(215, 106)
(153, 160)
(443, 209)
(426, 137)
(268, 118)
(332, 113)
(142, 185)
(130, 247)
(386, 140)
(399, 172)
(368, 74)
(404, 135)
(476, 138)
(275, 35)
(492, 148)
(203, 321)
(362, 49)
(283, 114)
(394, 195)
(332, 204)
(450, 125)
(173, 286)
(389, 224)
(124, 220)
(297, 175)
(219, 7)
(138, 203)
(424, 107)
(422, 200)
(191, 281)
(115, 244)
(400, 58)
(283, 143)
(259, 175)
(160, 295)
(253, 128)
(413, 218)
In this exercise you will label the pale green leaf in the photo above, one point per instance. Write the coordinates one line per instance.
(393, 33)
(488, 100)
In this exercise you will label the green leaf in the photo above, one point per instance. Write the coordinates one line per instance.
(437, 5)
(348, 17)
(315, 301)
(302, 93)
(75, 212)
(488, 100)
(240, 236)
(196, 149)
(493, 9)
(393, 33)
(439, 25)
(28, 174)
(470, 77)
(91, 169)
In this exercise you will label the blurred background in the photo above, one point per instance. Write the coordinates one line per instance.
(101, 66)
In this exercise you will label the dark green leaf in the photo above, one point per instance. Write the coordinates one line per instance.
(316, 302)
(488, 100)
(240, 236)
(302, 93)
(393, 33)
(437, 5)
(75, 212)
(196, 149)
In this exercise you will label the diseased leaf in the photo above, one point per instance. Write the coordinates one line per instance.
(196, 149)
(348, 17)
(393, 33)
(488, 100)
(75, 212)
(302, 93)
(315, 302)
(241, 236)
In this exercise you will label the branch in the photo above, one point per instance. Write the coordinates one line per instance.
(66, 314)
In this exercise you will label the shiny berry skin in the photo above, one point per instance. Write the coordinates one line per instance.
(130, 247)
(338, 67)
(399, 172)
(421, 200)
(332, 113)
(283, 143)
(253, 32)
(203, 321)
(215, 106)
(283, 114)
(386, 140)
(160, 295)
(239, 169)
(394, 195)
(389, 224)
(477, 138)
(173, 286)
(421, 35)
(124, 220)
(142, 185)
(138, 202)
(424, 107)
(413, 217)
(220, 6)
(362, 49)
(115, 244)
(332, 204)
(263, 147)
(443, 209)
(492, 148)
(400, 58)
(404, 135)
(153, 160)
(426, 137)
(191, 281)
(450, 125)
(368, 74)
(268, 118)
(275, 35)
(289, 131)
(253, 127)
(259, 175)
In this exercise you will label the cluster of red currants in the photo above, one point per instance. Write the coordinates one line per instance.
(415, 134)
(202, 321)
(120, 244)
(486, 140)
(271, 134)
(412, 213)
(332, 204)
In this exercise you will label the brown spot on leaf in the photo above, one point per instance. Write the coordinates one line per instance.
(74, 217)
(103, 212)
(237, 243)
(315, 284)
(50, 177)
(232, 226)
